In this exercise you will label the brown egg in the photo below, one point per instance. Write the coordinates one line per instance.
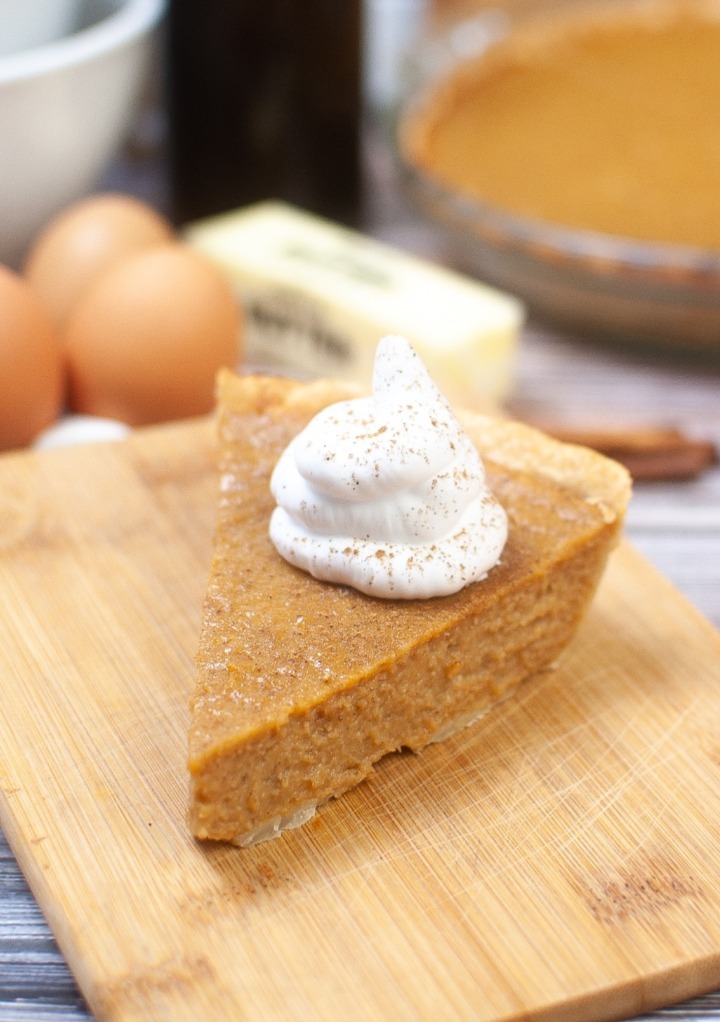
(85, 240)
(146, 341)
(31, 364)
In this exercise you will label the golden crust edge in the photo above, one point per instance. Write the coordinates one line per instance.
(276, 825)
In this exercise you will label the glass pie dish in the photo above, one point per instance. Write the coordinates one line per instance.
(592, 283)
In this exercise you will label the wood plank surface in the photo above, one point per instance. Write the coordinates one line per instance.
(557, 861)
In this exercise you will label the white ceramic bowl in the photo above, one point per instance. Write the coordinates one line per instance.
(26, 23)
(65, 109)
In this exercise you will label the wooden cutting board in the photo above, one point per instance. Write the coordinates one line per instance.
(560, 860)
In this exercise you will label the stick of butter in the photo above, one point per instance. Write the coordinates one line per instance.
(318, 297)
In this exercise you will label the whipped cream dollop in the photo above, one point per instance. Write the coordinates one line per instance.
(387, 493)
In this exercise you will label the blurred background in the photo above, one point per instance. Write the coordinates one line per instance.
(202, 109)
(279, 100)
(301, 102)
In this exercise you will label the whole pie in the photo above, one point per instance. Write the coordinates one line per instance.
(302, 685)
(594, 116)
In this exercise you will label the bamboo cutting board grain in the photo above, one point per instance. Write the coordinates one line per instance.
(558, 861)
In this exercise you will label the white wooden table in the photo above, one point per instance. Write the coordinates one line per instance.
(676, 525)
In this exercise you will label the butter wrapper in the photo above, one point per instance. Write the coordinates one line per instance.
(318, 297)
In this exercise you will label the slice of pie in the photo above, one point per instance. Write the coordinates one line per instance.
(303, 685)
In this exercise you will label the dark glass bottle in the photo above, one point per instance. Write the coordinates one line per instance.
(264, 102)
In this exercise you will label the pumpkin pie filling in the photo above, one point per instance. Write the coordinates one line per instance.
(600, 117)
(303, 685)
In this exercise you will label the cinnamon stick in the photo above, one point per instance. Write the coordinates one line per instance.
(648, 452)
